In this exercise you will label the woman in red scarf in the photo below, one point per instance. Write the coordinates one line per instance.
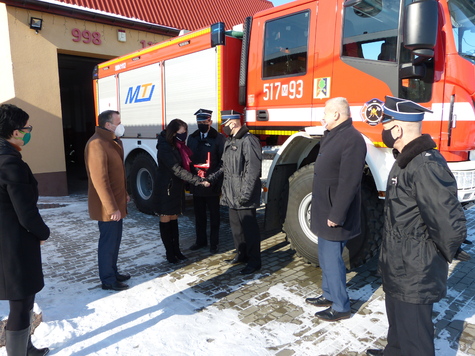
(174, 161)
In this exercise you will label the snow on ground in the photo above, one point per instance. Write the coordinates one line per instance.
(162, 315)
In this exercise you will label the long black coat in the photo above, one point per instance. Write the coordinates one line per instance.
(214, 144)
(241, 166)
(336, 193)
(424, 225)
(21, 227)
(171, 179)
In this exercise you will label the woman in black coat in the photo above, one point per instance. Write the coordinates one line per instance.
(22, 231)
(174, 161)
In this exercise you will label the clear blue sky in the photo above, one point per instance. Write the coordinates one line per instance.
(279, 2)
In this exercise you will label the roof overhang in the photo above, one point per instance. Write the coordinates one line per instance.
(78, 12)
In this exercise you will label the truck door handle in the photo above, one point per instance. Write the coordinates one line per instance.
(262, 115)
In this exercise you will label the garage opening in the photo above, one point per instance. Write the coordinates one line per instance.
(77, 105)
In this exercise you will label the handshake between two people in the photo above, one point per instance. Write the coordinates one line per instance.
(205, 183)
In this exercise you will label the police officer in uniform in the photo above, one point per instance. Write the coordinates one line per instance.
(206, 142)
(241, 192)
(424, 226)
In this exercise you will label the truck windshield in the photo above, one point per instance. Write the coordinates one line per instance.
(462, 15)
(370, 31)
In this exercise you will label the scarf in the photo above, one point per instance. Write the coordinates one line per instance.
(185, 153)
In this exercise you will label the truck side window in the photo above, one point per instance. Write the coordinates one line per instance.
(370, 31)
(286, 45)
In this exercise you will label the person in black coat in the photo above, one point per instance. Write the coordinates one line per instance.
(22, 231)
(206, 142)
(336, 204)
(174, 161)
(241, 192)
(424, 227)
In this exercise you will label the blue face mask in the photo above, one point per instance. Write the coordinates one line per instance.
(181, 136)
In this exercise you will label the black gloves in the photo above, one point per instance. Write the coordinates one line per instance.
(461, 255)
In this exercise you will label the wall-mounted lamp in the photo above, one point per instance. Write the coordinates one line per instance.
(36, 23)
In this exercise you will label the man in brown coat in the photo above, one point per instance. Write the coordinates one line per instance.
(107, 194)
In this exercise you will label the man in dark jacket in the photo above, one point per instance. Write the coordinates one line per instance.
(336, 197)
(241, 192)
(423, 228)
(206, 143)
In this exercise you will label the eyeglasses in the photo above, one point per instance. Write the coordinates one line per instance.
(29, 128)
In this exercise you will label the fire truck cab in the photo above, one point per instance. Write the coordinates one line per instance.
(281, 70)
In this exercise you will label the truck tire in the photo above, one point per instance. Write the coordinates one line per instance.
(297, 222)
(142, 180)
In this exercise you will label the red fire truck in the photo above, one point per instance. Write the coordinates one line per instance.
(280, 69)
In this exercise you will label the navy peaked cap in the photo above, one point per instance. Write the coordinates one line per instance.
(402, 110)
(229, 115)
(203, 114)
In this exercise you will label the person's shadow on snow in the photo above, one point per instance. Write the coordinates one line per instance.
(189, 301)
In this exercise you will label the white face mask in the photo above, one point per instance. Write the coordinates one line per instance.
(119, 130)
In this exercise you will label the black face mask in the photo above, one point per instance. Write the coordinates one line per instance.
(203, 128)
(388, 138)
(227, 130)
(181, 136)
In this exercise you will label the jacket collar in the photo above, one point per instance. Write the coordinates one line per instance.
(6, 148)
(106, 134)
(212, 133)
(412, 149)
(242, 131)
(344, 125)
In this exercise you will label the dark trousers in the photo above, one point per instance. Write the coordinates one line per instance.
(19, 317)
(201, 204)
(108, 250)
(411, 330)
(333, 273)
(246, 235)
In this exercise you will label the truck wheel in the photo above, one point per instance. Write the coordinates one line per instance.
(142, 179)
(297, 222)
(297, 219)
(365, 246)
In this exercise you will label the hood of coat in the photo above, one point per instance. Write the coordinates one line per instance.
(412, 149)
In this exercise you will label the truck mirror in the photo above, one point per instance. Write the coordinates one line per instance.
(409, 70)
(420, 27)
(217, 34)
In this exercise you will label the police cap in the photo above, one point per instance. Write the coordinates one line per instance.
(402, 110)
(203, 114)
(227, 115)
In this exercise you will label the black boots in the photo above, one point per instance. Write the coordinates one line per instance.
(16, 342)
(33, 351)
(169, 234)
(166, 235)
(176, 240)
